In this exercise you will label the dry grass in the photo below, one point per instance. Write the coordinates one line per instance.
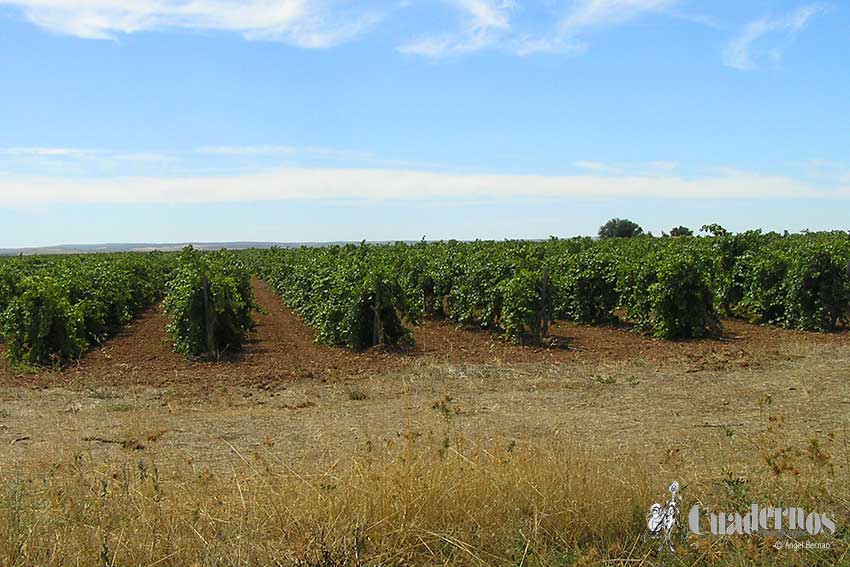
(436, 464)
(431, 501)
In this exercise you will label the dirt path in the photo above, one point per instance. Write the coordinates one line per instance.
(742, 345)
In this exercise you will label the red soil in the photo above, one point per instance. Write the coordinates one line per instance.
(283, 349)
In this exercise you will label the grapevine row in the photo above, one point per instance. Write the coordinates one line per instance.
(54, 308)
(671, 288)
(209, 300)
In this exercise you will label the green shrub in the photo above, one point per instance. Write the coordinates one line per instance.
(40, 326)
(98, 294)
(681, 231)
(816, 289)
(350, 295)
(669, 296)
(670, 287)
(226, 283)
(799, 281)
(761, 278)
(619, 228)
(523, 307)
(9, 280)
(374, 319)
(586, 289)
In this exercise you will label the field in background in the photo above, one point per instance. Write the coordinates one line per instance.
(466, 451)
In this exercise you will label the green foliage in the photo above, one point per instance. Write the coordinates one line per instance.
(724, 252)
(620, 228)
(40, 325)
(714, 229)
(670, 287)
(817, 288)
(797, 282)
(209, 291)
(522, 305)
(669, 296)
(9, 278)
(586, 288)
(761, 277)
(681, 231)
(350, 295)
(497, 286)
(53, 308)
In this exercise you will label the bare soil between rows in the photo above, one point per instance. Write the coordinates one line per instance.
(283, 349)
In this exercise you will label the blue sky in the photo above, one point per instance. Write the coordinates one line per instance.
(305, 120)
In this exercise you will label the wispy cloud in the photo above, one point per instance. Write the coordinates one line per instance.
(144, 157)
(825, 171)
(79, 162)
(488, 14)
(747, 51)
(328, 153)
(490, 24)
(49, 152)
(484, 22)
(107, 155)
(300, 22)
(587, 14)
(648, 168)
(80, 154)
(381, 184)
(596, 166)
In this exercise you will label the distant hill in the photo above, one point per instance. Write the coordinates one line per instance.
(148, 247)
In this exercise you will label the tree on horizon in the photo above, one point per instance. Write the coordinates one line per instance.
(620, 228)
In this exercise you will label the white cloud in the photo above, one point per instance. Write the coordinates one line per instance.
(150, 157)
(488, 14)
(82, 155)
(525, 45)
(485, 22)
(593, 166)
(81, 162)
(742, 53)
(244, 151)
(306, 23)
(628, 169)
(379, 184)
(79, 154)
(662, 165)
(489, 25)
(605, 13)
(48, 152)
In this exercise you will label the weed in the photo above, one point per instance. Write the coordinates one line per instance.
(445, 407)
(358, 394)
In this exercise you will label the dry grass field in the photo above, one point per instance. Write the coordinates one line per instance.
(465, 451)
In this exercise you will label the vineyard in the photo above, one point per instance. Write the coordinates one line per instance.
(671, 288)
(55, 308)
(360, 296)
(437, 403)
